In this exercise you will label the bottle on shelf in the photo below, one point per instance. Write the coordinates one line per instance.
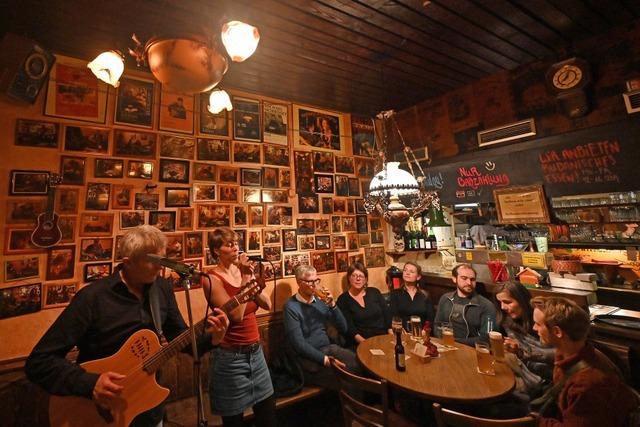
(427, 241)
(468, 241)
(399, 352)
(432, 239)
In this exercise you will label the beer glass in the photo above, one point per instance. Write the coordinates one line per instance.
(486, 361)
(497, 345)
(416, 327)
(448, 338)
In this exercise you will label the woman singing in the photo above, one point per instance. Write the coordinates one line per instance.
(238, 377)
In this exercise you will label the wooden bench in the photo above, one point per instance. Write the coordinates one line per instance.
(178, 376)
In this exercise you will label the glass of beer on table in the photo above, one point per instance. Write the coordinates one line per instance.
(416, 327)
(486, 362)
(497, 345)
(447, 335)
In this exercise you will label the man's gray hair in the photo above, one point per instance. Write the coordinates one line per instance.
(303, 270)
(142, 240)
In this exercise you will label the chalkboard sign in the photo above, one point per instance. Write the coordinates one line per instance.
(596, 160)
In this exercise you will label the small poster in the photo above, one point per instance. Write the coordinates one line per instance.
(176, 112)
(275, 119)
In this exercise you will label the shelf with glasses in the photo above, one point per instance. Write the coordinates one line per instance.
(595, 245)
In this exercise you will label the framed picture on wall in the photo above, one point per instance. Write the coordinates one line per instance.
(179, 147)
(318, 128)
(174, 171)
(184, 219)
(308, 204)
(96, 224)
(108, 168)
(275, 118)
(216, 150)
(345, 165)
(23, 268)
(324, 261)
(73, 92)
(24, 211)
(134, 102)
(289, 240)
(98, 194)
(193, 247)
(100, 270)
(521, 205)
(147, 201)
(204, 171)
(228, 193)
(213, 215)
(28, 183)
(177, 197)
(18, 241)
(19, 300)
(139, 169)
(35, 133)
(131, 219)
(163, 220)
(363, 136)
(175, 245)
(72, 170)
(275, 155)
(96, 249)
(251, 177)
(245, 152)
(58, 294)
(292, 260)
(67, 201)
(240, 217)
(323, 161)
(121, 196)
(246, 119)
(228, 175)
(86, 139)
(134, 144)
(176, 111)
(61, 262)
(212, 124)
(204, 192)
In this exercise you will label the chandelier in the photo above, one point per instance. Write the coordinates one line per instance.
(394, 193)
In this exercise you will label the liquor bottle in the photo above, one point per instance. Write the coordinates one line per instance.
(433, 240)
(399, 350)
(468, 241)
(427, 241)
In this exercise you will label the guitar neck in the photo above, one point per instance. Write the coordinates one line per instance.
(183, 340)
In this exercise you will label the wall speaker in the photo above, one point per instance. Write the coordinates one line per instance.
(24, 67)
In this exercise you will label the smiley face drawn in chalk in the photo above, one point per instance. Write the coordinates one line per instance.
(489, 165)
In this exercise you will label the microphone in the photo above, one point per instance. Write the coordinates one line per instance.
(178, 267)
(257, 258)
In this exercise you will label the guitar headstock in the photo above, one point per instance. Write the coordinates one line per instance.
(55, 179)
(250, 290)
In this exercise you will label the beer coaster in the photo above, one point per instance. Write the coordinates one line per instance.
(376, 352)
(485, 373)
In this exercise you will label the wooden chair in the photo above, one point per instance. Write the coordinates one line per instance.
(447, 417)
(358, 413)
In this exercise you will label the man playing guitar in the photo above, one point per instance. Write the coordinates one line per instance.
(102, 317)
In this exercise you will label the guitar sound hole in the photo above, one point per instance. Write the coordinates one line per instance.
(141, 348)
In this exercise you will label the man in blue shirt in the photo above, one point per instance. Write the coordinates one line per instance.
(305, 319)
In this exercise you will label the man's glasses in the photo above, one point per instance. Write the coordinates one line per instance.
(311, 282)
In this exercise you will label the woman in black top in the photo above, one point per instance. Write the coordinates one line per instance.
(364, 308)
(410, 300)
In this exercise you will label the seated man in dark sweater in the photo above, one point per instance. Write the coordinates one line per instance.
(305, 319)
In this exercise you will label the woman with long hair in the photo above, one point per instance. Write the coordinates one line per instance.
(363, 307)
(238, 376)
(410, 300)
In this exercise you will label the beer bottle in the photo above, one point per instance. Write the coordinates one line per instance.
(399, 350)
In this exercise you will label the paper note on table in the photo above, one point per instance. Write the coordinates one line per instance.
(442, 348)
(376, 352)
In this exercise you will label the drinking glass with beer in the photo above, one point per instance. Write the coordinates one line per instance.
(486, 361)
(448, 338)
(497, 345)
(416, 327)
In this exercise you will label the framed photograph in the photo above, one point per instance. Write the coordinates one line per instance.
(24, 211)
(134, 144)
(375, 224)
(246, 152)
(204, 192)
(377, 238)
(289, 240)
(272, 253)
(67, 201)
(204, 172)
(246, 119)
(345, 165)
(18, 241)
(96, 224)
(139, 169)
(134, 102)
(293, 260)
(322, 161)
(208, 258)
(21, 269)
(35, 133)
(349, 223)
(354, 187)
(254, 240)
(352, 242)
(275, 118)
(240, 217)
(147, 201)
(97, 249)
(362, 136)
(342, 186)
(121, 196)
(521, 205)
(304, 185)
(228, 175)
(212, 124)
(175, 246)
(72, 170)
(303, 163)
(342, 261)
(184, 219)
(336, 224)
(322, 226)
(61, 262)
(308, 204)
(251, 177)
(327, 205)
(362, 225)
(174, 171)
(306, 243)
(28, 183)
(98, 194)
(275, 155)
(73, 92)
(324, 262)
(163, 220)
(275, 196)
(131, 219)
(251, 195)
(108, 168)
(117, 256)
(67, 225)
(360, 207)
(351, 207)
(272, 270)
(58, 294)
(285, 178)
(339, 242)
(19, 300)
(269, 177)
(305, 225)
(363, 240)
(356, 258)
(228, 193)
(323, 183)
(216, 150)
(211, 216)
(318, 128)
(279, 215)
(97, 271)
(177, 197)
(242, 239)
(176, 111)
(256, 215)
(374, 257)
(86, 139)
(365, 168)
(176, 146)
(193, 245)
(323, 242)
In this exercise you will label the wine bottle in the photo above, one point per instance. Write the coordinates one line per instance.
(399, 350)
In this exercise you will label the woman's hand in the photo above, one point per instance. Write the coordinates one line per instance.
(246, 269)
(511, 345)
(217, 324)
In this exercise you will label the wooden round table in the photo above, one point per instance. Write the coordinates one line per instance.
(452, 377)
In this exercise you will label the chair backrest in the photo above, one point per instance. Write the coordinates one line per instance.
(352, 390)
(447, 417)
(618, 356)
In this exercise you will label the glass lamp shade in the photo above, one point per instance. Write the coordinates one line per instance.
(219, 100)
(240, 40)
(108, 67)
(187, 65)
(393, 181)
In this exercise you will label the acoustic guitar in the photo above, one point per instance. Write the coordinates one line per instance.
(138, 358)
(47, 232)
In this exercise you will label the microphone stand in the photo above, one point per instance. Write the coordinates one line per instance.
(185, 281)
